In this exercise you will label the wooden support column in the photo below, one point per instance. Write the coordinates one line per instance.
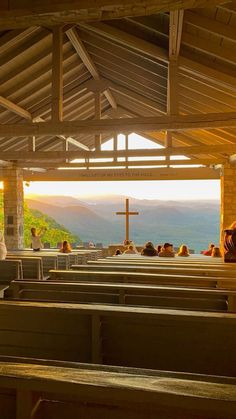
(57, 75)
(97, 104)
(13, 207)
(31, 144)
(228, 198)
(115, 145)
(126, 148)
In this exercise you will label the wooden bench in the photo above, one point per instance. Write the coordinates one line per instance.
(126, 294)
(65, 390)
(32, 266)
(49, 261)
(143, 278)
(149, 268)
(10, 270)
(171, 340)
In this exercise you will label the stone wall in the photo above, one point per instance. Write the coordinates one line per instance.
(13, 208)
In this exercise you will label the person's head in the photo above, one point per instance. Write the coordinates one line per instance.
(216, 252)
(183, 250)
(126, 242)
(149, 245)
(211, 246)
(33, 231)
(168, 247)
(159, 246)
(117, 252)
(131, 247)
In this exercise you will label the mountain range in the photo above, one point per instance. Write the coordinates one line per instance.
(195, 223)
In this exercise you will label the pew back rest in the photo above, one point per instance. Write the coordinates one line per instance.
(32, 266)
(10, 270)
(128, 336)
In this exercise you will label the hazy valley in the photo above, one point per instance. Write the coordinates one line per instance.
(195, 223)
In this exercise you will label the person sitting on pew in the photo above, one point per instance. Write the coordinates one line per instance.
(3, 249)
(158, 248)
(36, 238)
(66, 247)
(128, 243)
(183, 251)
(167, 251)
(208, 252)
(216, 253)
(130, 250)
(117, 252)
(230, 243)
(149, 250)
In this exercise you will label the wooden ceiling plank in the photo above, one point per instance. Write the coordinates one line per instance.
(211, 25)
(57, 75)
(87, 60)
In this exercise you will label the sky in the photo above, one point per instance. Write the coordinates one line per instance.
(163, 190)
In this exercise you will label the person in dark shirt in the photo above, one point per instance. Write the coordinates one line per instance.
(149, 250)
(230, 244)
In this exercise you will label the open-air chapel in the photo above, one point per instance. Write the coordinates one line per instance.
(83, 334)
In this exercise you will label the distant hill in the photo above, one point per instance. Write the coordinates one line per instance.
(195, 223)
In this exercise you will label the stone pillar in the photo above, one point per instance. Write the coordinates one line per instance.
(228, 198)
(13, 207)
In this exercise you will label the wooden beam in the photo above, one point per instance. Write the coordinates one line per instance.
(57, 75)
(97, 106)
(69, 139)
(7, 104)
(129, 125)
(123, 174)
(88, 62)
(175, 32)
(226, 149)
(44, 13)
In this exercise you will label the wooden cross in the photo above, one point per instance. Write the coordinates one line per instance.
(127, 213)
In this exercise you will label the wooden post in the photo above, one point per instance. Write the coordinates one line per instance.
(97, 104)
(57, 75)
(115, 145)
(126, 148)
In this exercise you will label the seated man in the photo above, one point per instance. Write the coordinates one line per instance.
(167, 251)
(149, 250)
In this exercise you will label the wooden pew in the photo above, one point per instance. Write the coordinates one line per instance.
(49, 261)
(10, 270)
(54, 390)
(143, 278)
(149, 268)
(171, 340)
(126, 294)
(32, 266)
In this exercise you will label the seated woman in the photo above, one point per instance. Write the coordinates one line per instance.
(3, 249)
(66, 248)
(130, 250)
(167, 251)
(183, 251)
(149, 250)
(208, 252)
(128, 243)
(230, 243)
(216, 253)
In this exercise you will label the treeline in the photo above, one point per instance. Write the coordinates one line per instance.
(54, 234)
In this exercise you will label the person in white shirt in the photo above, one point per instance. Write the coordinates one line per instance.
(36, 238)
(3, 249)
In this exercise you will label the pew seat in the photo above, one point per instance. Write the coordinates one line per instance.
(170, 340)
(126, 294)
(37, 389)
(142, 278)
(32, 266)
